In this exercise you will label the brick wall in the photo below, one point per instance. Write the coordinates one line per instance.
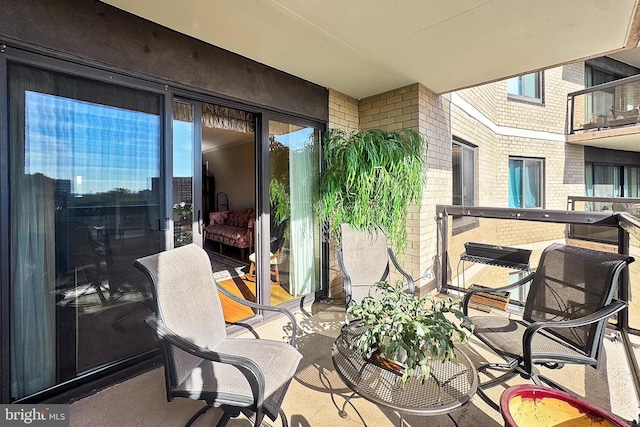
(343, 111)
(496, 142)
(486, 121)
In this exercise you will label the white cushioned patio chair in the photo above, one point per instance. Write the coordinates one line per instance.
(239, 375)
(364, 260)
(570, 300)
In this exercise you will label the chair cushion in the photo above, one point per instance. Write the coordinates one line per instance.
(504, 336)
(229, 235)
(272, 260)
(240, 218)
(221, 382)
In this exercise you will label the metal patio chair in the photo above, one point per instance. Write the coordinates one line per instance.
(570, 300)
(364, 260)
(200, 361)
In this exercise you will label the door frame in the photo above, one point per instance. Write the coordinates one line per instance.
(263, 229)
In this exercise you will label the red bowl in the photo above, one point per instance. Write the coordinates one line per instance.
(586, 411)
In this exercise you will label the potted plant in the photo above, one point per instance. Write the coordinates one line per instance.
(370, 179)
(411, 332)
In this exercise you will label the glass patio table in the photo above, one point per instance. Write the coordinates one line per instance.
(450, 385)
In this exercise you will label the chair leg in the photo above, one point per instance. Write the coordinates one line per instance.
(277, 273)
(200, 412)
(251, 275)
(511, 371)
(224, 419)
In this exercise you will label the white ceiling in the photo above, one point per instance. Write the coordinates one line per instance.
(365, 47)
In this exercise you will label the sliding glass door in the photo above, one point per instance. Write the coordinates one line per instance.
(294, 241)
(85, 196)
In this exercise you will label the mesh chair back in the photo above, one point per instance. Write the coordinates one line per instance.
(187, 302)
(278, 234)
(365, 259)
(572, 282)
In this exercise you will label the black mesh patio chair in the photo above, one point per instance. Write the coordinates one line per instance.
(236, 374)
(570, 300)
(364, 260)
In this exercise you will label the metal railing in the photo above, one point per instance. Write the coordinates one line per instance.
(623, 223)
(605, 106)
(599, 204)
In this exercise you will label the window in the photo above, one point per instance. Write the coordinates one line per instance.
(463, 174)
(527, 87)
(525, 183)
(611, 180)
(464, 182)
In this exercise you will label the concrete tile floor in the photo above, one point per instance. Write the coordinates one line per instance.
(317, 393)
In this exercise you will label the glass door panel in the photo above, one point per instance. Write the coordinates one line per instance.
(85, 203)
(187, 210)
(294, 258)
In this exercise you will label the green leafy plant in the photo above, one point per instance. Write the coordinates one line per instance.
(413, 331)
(280, 200)
(370, 179)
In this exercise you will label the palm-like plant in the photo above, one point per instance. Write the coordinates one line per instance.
(370, 179)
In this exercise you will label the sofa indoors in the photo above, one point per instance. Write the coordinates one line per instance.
(231, 228)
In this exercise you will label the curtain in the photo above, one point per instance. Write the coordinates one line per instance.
(532, 184)
(303, 174)
(33, 334)
(530, 85)
(515, 182)
(631, 181)
(33, 283)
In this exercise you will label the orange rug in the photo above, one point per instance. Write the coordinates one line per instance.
(246, 289)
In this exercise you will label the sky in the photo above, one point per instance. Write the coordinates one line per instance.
(97, 148)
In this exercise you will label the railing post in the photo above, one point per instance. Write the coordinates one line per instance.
(571, 113)
(443, 230)
(623, 289)
(623, 315)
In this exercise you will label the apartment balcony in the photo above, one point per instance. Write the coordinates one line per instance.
(318, 393)
(606, 115)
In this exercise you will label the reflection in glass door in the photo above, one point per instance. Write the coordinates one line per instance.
(187, 211)
(85, 203)
(294, 258)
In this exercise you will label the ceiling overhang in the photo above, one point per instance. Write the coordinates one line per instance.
(624, 138)
(366, 47)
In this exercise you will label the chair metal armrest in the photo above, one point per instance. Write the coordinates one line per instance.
(410, 282)
(235, 298)
(346, 279)
(248, 367)
(519, 283)
(604, 313)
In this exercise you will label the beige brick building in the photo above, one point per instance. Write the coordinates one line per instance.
(498, 127)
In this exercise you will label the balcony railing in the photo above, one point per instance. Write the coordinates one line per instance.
(626, 227)
(595, 233)
(609, 105)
